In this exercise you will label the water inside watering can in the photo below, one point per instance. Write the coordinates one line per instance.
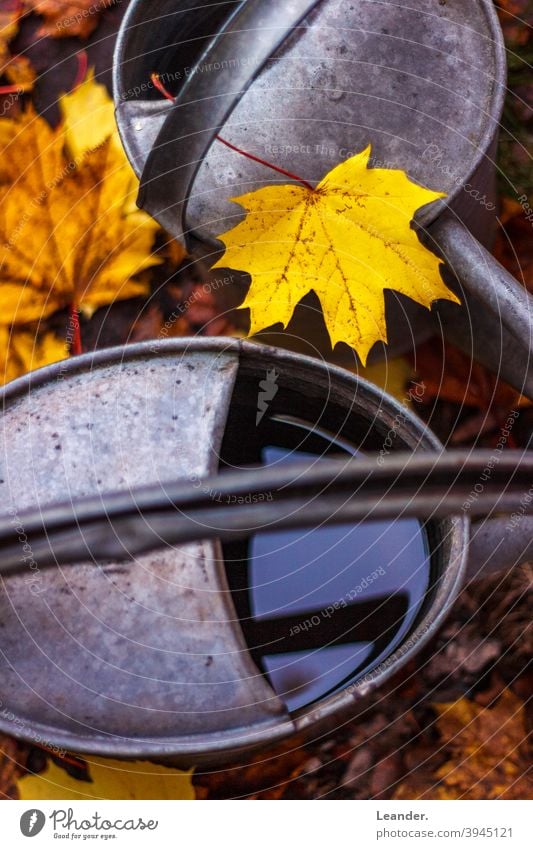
(320, 607)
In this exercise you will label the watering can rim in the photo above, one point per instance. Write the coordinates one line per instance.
(226, 744)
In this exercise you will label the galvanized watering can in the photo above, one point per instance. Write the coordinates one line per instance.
(122, 634)
(306, 84)
(130, 534)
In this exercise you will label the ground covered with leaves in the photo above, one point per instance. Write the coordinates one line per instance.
(456, 724)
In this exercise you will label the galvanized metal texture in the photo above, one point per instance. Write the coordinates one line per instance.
(503, 542)
(250, 30)
(120, 657)
(232, 504)
(67, 675)
(423, 83)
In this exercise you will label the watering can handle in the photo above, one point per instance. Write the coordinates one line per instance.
(199, 111)
(496, 307)
(234, 504)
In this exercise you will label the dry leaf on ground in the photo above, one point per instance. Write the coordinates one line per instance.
(25, 349)
(348, 240)
(487, 753)
(17, 69)
(63, 19)
(111, 779)
(12, 759)
(88, 115)
(450, 375)
(66, 231)
(514, 245)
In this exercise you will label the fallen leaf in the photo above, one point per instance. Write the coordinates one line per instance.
(25, 350)
(504, 605)
(88, 115)
(63, 19)
(515, 19)
(9, 26)
(348, 240)
(263, 773)
(17, 69)
(110, 779)
(67, 236)
(487, 753)
(12, 759)
(451, 375)
(514, 245)
(394, 376)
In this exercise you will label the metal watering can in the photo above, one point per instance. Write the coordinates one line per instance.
(305, 84)
(125, 455)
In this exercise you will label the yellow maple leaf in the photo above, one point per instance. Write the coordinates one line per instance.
(66, 233)
(88, 115)
(393, 376)
(348, 240)
(25, 349)
(111, 779)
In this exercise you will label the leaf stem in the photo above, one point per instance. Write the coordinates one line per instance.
(161, 88)
(164, 91)
(265, 162)
(10, 89)
(74, 331)
(83, 64)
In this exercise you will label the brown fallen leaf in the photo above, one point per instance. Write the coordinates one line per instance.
(17, 69)
(63, 19)
(504, 604)
(513, 15)
(267, 773)
(450, 375)
(514, 245)
(12, 760)
(451, 378)
(487, 750)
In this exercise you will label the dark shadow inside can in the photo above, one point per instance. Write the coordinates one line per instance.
(320, 608)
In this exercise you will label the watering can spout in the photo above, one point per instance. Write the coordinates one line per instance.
(495, 322)
(498, 545)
